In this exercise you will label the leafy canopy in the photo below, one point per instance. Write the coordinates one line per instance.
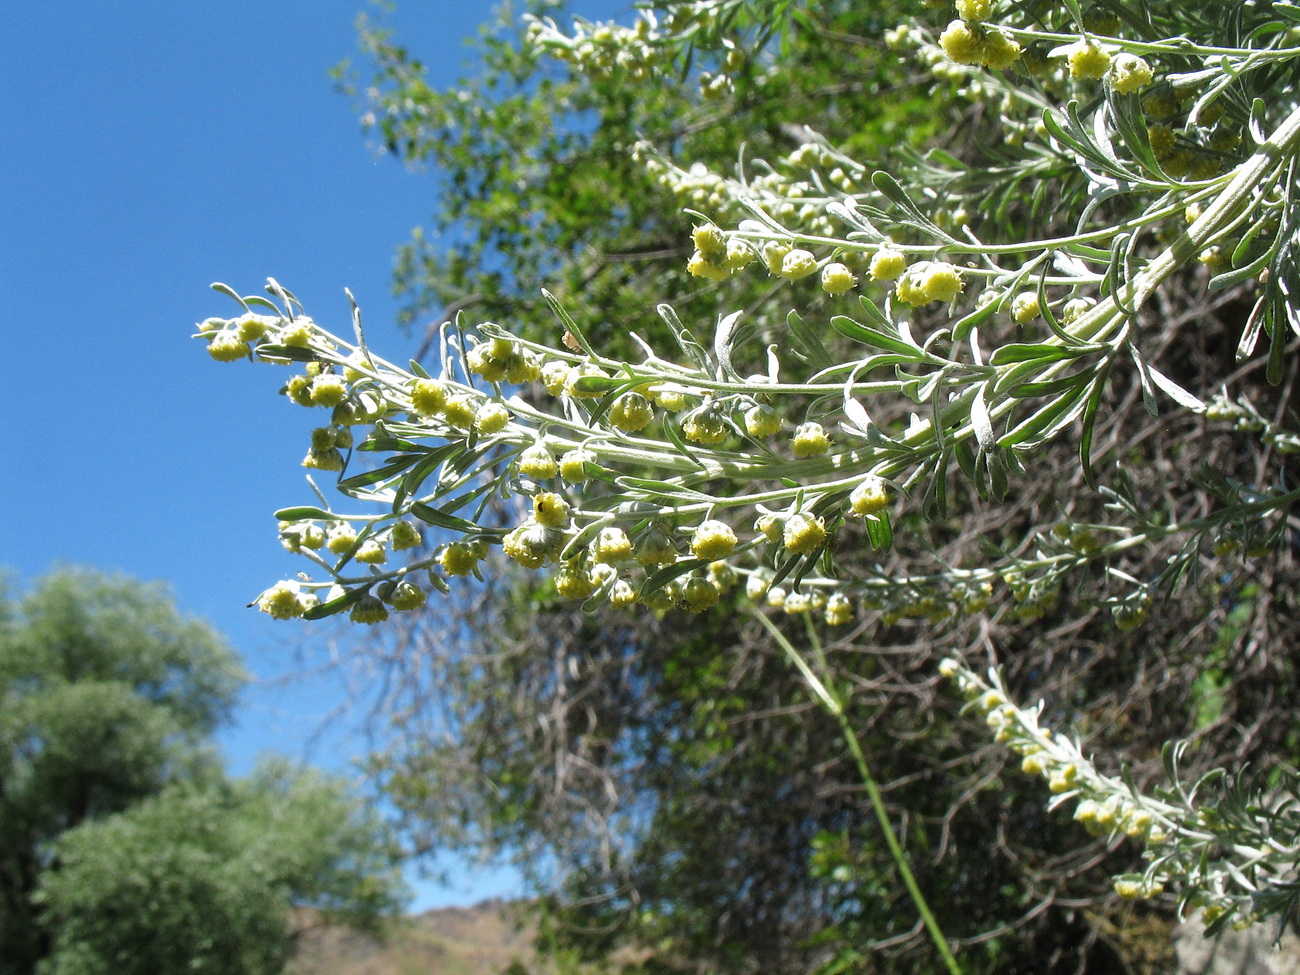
(122, 844)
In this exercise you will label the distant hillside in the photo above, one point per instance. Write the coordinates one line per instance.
(479, 940)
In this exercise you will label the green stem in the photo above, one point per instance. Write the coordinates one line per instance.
(830, 700)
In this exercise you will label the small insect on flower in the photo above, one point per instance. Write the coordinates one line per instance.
(283, 601)
(550, 510)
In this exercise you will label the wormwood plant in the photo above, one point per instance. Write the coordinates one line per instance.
(1143, 150)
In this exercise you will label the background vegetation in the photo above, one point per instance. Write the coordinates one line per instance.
(123, 845)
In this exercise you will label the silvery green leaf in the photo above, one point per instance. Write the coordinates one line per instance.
(1175, 392)
(722, 338)
(857, 414)
(979, 419)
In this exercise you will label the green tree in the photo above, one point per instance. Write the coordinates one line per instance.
(905, 403)
(201, 880)
(114, 805)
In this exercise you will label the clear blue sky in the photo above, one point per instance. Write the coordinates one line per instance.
(147, 150)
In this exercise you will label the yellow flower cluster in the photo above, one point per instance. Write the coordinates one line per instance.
(968, 42)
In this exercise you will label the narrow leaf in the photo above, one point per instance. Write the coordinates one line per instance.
(873, 337)
(1175, 392)
(979, 418)
(440, 519)
(1020, 352)
(303, 513)
(323, 610)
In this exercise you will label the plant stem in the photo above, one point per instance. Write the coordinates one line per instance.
(831, 701)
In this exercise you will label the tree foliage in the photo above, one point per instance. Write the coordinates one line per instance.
(199, 880)
(995, 368)
(123, 846)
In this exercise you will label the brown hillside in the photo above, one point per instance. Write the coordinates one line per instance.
(479, 940)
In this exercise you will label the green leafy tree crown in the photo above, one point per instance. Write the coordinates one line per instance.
(123, 846)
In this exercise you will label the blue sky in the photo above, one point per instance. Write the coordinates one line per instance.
(147, 150)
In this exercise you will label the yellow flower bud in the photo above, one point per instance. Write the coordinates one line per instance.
(1129, 73)
(368, 609)
(700, 595)
(227, 346)
(962, 43)
(631, 412)
(803, 533)
(810, 440)
(1087, 61)
(713, 540)
(887, 264)
(797, 264)
(537, 462)
(428, 396)
(458, 559)
(837, 279)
